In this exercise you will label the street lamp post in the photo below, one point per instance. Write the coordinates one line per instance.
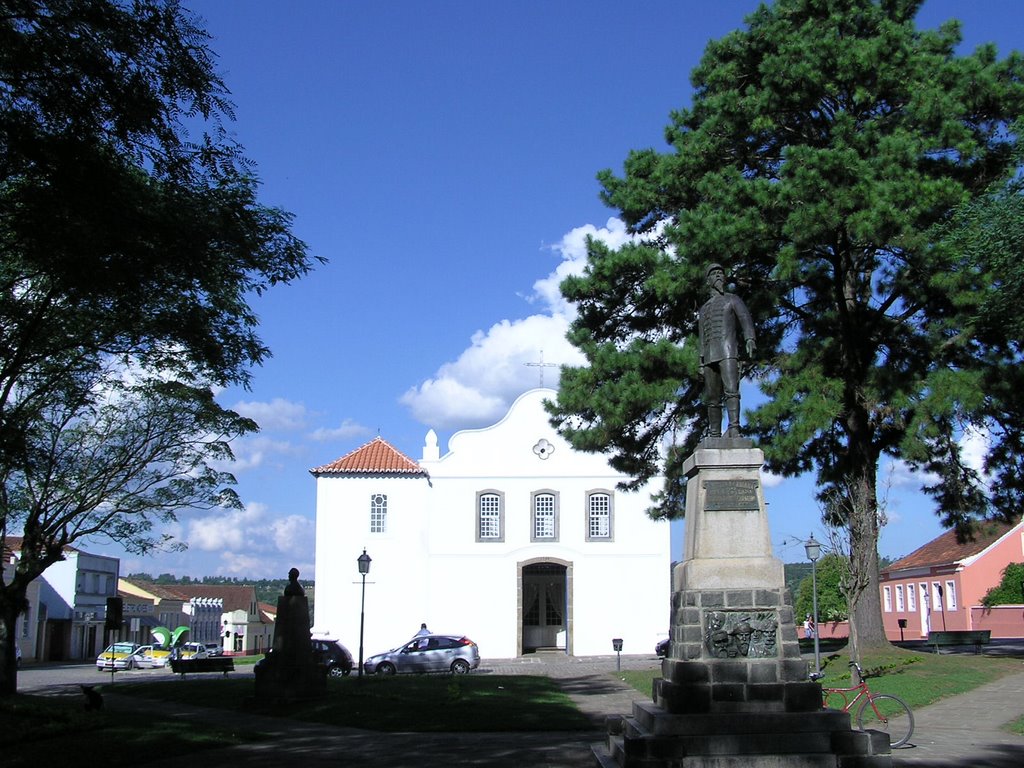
(364, 568)
(813, 550)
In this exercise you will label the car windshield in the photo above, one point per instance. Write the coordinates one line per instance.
(120, 648)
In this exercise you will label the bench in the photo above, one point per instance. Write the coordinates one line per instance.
(223, 664)
(975, 637)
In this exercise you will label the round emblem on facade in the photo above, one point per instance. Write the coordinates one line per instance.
(543, 448)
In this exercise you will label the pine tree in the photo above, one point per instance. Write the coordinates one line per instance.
(828, 144)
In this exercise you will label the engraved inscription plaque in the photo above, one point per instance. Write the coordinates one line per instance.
(730, 495)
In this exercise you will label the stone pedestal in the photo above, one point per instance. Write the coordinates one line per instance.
(289, 671)
(734, 689)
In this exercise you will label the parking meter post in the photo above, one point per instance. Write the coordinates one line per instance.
(617, 647)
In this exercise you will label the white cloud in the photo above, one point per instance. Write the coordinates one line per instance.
(573, 250)
(975, 445)
(278, 414)
(293, 535)
(502, 362)
(252, 542)
(226, 529)
(346, 429)
(256, 451)
(250, 566)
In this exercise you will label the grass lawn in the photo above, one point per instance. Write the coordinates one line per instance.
(1017, 726)
(424, 703)
(917, 678)
(427, 703)
(43, 731)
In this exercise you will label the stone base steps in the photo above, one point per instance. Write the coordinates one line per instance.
(653, 738)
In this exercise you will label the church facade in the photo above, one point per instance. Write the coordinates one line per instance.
(511, 538)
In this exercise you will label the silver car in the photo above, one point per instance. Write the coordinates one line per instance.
(427, 653)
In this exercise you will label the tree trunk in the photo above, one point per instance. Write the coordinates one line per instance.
(866, 629)
(8, 657)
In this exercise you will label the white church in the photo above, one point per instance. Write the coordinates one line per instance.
(511, 538)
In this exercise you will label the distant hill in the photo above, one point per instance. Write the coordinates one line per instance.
(267, 590)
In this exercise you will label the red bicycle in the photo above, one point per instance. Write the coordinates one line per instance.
(876, 711)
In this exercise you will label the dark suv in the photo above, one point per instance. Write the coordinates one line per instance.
(334, 656)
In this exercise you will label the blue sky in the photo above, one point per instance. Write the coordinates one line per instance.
(442, 156)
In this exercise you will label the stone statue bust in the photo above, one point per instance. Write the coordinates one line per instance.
(294, 588)
(721, 321)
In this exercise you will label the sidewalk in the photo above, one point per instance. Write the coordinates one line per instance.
(962, 732)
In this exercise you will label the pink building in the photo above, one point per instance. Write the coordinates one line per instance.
(940, 585)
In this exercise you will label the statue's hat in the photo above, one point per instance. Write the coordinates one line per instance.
(712, 267)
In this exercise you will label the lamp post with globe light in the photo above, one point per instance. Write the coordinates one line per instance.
(813, 550)
(364, 568)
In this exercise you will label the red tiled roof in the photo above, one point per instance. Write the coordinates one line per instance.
(161, 591)
(945, 549)
(12, 546)
(377, 457)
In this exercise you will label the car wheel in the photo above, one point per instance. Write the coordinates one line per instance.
(128, 664)
(335, 671)
(386, 668)
(460, 667)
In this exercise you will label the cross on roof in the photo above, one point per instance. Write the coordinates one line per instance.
(542, 365)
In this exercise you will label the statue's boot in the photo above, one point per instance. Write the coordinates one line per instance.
(732, 407)
(715, 420)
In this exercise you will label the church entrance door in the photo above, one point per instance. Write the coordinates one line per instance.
(545, 606)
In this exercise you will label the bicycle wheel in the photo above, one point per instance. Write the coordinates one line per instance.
(893, 716)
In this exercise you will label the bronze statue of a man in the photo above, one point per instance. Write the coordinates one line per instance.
(722, 318)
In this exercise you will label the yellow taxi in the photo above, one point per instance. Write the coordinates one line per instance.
(117, 656)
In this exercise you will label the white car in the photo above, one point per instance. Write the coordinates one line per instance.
(192, 651)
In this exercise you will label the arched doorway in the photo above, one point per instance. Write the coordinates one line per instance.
(545, 605)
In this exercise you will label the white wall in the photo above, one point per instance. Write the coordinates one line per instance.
(429, 567)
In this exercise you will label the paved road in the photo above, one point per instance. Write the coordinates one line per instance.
(961, 732)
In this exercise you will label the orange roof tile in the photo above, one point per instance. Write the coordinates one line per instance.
(12, 546)
(377, 457)
(945, 549)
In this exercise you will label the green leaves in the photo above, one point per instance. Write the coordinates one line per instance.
(131, 238)
(1009, 590)
(827, 151)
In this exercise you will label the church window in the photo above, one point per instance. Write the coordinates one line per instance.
(490, 506)
(599, 516)
(378, 513)
(545, 516)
